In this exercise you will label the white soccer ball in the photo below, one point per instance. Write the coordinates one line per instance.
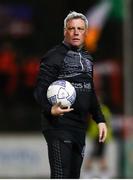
(61, 91)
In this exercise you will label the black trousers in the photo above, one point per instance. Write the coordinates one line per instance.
(65, 151)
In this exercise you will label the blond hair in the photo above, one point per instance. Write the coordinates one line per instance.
(75, 15)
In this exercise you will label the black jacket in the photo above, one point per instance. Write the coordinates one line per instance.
(75, 66)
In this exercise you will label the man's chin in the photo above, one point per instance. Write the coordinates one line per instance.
(76, 44)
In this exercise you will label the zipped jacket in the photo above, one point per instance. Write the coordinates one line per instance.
(76, 66)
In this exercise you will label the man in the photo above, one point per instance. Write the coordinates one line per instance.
(64, 129)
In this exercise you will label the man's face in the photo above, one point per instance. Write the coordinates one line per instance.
(75, 32)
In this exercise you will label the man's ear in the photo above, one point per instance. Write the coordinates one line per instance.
(86, 32)
(64, 31)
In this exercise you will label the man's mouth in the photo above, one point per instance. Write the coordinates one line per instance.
(76, 39)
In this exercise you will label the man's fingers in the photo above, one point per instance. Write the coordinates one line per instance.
(102, 137)
(102, 132)
(58, 104)
(66, 110)
(58, 110)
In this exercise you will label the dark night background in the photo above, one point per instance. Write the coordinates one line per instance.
(19, 111)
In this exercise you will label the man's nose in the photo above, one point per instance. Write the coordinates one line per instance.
(76, 31)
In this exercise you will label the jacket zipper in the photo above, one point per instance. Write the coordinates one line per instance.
(81, 61)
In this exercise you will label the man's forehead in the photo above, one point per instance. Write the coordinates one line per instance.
(76, 22)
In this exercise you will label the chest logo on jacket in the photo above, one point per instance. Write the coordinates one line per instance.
(75, 64)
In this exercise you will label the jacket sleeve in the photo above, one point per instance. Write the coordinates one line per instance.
(96, 112)
(49, 70)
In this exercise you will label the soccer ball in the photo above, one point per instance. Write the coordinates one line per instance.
(61, 91)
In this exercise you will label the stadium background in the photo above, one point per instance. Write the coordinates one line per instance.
(28, 30)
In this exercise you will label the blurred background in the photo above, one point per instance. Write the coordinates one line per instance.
(29, 28)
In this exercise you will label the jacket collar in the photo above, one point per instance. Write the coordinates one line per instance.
(70, 47)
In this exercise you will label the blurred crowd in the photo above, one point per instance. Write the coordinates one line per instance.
(16, 71)
(17, 79)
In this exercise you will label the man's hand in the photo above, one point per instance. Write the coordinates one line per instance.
(58, 110)
(102, 131)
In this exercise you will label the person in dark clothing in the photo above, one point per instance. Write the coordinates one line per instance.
(65, 129)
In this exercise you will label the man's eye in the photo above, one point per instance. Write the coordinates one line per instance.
(81, 29)
(70, 28)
